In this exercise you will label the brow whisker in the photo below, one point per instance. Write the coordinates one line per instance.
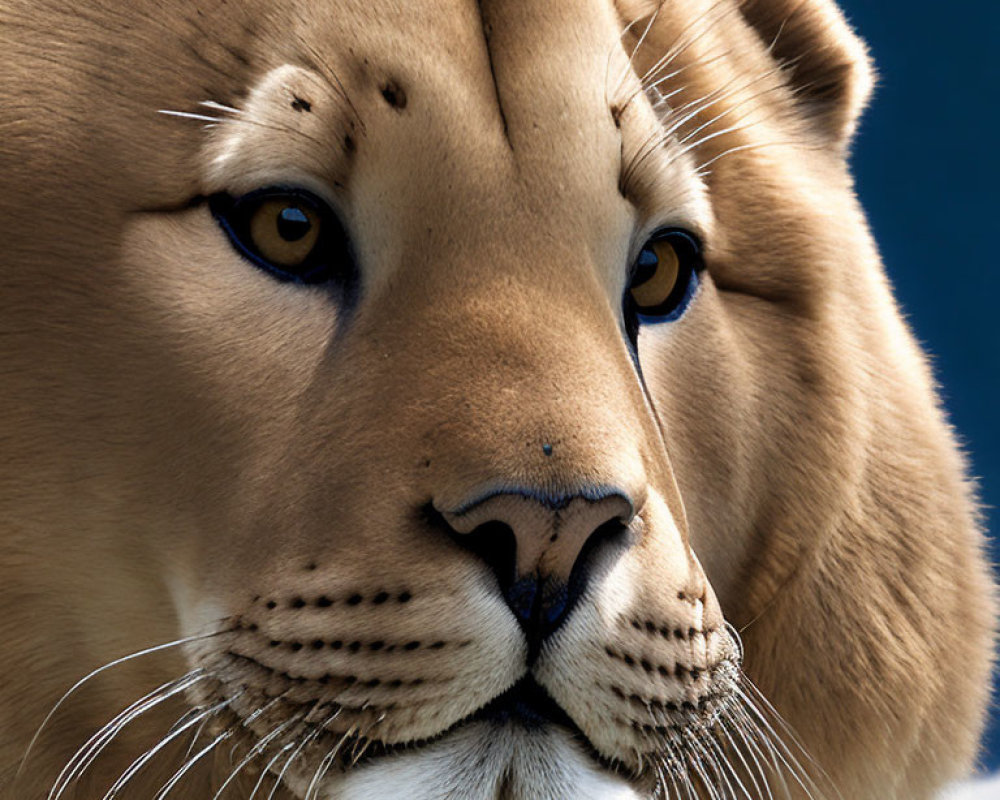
(212, 104)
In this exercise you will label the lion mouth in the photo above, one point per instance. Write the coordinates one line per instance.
(525, 704)
(528, 704)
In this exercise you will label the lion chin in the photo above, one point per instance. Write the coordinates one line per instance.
(489, 400)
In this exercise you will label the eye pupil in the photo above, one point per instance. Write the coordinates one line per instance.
(646, 265)
(293, 224)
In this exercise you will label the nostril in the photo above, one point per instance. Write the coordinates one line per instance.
(602, 548)
(496, 544)
(493, 542)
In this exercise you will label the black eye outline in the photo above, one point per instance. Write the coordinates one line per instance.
(687, 246)
(331, 258)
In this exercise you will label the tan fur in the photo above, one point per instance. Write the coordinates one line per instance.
(191, 446)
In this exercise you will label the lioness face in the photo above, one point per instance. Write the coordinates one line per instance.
(402, 367)
(474, 535)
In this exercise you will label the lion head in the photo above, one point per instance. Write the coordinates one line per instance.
(469, 400)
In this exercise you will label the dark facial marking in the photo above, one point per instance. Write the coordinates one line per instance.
(394, 95)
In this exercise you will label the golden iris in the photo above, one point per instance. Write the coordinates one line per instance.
(284, 232)
(657, 272)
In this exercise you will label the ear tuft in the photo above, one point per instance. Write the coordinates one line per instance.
(827, 64)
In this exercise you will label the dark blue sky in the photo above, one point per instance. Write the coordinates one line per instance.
(927, 170)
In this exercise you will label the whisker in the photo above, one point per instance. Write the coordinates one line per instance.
(332, 78)
(781, 753)
(190, 762)
(695, 761)
(219, 107)
(188, 115)
(271, 125)
(194, 738)
(124, 659)
(607, 63)
(677, 119)
(320, 773)
(256, 750)
(700, 169)
(760, 698)
(95, 745)
(638, 45)
(708, 762)
(654, 86)
(722, 754)
(790, 735)
(326, 763)
(191, 712)
(678, 46)
(133, 769)
(737, 640)
(722, 114)
(295, 754)
(267, 769)
(735, 748)
(758, 741)
(689, 111)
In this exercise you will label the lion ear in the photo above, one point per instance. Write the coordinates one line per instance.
(825, 62)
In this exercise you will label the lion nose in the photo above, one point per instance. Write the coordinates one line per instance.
(544, 551)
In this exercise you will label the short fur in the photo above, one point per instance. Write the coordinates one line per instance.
(191, 447)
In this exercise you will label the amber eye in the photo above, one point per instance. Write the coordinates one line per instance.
(665, 275)
(290, 233)
(284, 231)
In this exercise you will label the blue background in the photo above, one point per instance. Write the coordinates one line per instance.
(927, 171)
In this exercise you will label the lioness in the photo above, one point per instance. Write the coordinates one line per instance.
(468, 400)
